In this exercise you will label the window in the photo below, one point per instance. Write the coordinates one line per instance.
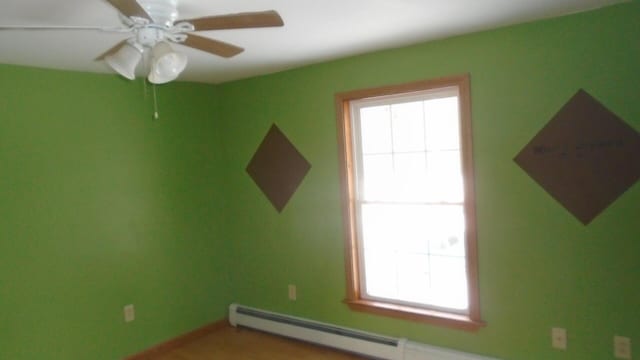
(408, 201)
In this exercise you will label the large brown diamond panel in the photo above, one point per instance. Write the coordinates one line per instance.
(278, 168)
(585, 157)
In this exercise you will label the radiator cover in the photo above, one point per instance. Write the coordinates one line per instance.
(359, 342)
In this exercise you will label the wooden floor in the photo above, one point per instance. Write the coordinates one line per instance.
(241, 343)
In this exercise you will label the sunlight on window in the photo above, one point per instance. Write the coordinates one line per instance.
(376, 138)
(411, 152)
(415, 253)
(408, 198)
(412, 214)
(442, 126)
(408, 127)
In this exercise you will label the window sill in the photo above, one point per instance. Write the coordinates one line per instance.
(440, 318)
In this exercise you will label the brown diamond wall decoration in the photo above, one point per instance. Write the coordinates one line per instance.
(278, 168)
(585, 157)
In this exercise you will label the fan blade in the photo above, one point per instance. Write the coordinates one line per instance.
(215, 47)
(237, 21)
(113, 50)
(130, 8)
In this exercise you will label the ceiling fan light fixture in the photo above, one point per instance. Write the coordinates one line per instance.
(166, 64)
(125, 60)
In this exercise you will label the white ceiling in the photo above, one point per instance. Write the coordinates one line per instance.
(314, 31)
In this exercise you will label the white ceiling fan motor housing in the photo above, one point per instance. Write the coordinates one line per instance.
(163, 12)
(150, 35)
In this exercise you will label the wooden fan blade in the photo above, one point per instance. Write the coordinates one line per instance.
(237, 21)
(215, 47)
(130, 8)
(113, 50)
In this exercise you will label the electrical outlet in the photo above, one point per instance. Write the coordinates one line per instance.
(293, 293)
(559, 338)
(621, 347)
(129, 313)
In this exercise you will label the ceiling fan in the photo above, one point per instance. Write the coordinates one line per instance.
(153, 24)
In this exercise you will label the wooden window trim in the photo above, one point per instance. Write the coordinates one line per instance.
(471, 321)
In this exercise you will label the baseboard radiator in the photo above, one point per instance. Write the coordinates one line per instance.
(363, 343)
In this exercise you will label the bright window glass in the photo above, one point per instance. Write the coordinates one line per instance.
(410, 199)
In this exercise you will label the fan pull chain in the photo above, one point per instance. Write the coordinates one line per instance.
(156, 116)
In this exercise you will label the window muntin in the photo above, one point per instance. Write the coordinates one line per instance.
(407, 176)
(410, 270)
(409, 199)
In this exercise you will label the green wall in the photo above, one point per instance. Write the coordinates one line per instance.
(100, 207)
(539, 266)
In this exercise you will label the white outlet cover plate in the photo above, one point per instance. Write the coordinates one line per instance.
(621, 347)
(129, 313)
(559, 338)
(292, 292)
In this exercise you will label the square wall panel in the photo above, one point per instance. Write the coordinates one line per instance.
(585, 157)
(278, 168)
